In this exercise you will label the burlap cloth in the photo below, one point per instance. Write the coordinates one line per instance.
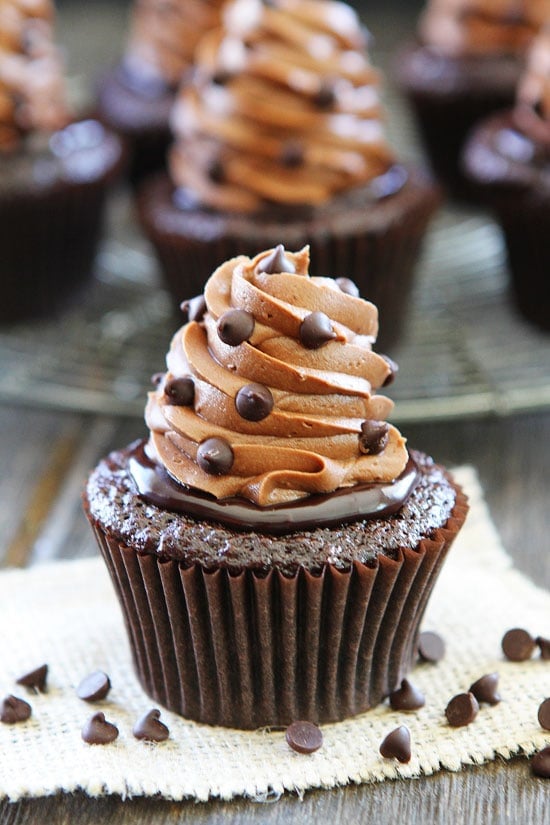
(66, 614)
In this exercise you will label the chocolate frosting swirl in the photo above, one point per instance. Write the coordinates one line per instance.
(312, 438)
(284, 107)
(532, 112)
(32, 88)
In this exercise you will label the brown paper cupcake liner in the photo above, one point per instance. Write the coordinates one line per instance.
(244, 650)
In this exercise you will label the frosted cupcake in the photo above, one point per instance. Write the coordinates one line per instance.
(272, 542)
(280, 137)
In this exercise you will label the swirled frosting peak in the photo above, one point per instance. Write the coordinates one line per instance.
(532, 112)
(284, 108)
(32, 88)
(271, 387)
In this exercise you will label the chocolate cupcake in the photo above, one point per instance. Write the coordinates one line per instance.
(464, 65)
(273, 543)
(507, 160)
(279, 137)
(54, 171)
(135, 98)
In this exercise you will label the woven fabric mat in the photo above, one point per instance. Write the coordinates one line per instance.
(66, 614)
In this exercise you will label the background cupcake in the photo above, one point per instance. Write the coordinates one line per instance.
(53, 172)
(280, 136)
(507, 159)
(273, 544)
(465, 65)
(136, 97)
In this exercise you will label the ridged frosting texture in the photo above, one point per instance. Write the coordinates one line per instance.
(32, 86)
(322, 378)
(164, 33)
(284, 108)
(533, 98)
(482, 27)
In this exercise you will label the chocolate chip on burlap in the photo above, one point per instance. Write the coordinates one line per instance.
(397, 745)
(540, 763)
(304, 737)
(407, 697)
(485, 689)
(544, 645)
(462, 710)
(235, 326)
(98, 731)
(35, 679)
(431, 647)
(150, 728)
(94, 687)
(544, 714)
(316, 330)
(14, 710)
(518, 644)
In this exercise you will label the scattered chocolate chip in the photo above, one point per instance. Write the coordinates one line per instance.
(431, 647)
(304, 737)
(180, 391)
(194, 308)
(316, 330)
(13, 710)
(373, 437)
(97, 731)
(215, 171)
(348, 286)
(394, 370)
(221, 77)
(254, 402)
(215, 456)
(485, 689)
(150, 727)
(540, 763)
(461, 710)
(235, 326)
(518, 645)
(94, 687)
(35, 679)
(276, 261)
(407, 697)
(292, 154)
(325, 96)
(156, 379)
(544, 645)
(397, 744)
(544, 714)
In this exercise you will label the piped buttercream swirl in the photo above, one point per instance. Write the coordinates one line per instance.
(263, 335)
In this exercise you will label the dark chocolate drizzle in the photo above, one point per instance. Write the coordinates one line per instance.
(363, 501)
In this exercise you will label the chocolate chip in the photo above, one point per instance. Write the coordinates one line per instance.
(485, 689)
(235, 326)
(325, 96)
(150, 728)
(407, 697)
(518, 644)
(254, 402)
(97, 731)
(348, 286)
(292, 154)
(461, 710)
(35, 679)
(276, 261)
(180, 391)
(304, 737)
(157, 378)
(94, 687)
(221, 77)
(215, 171)
(431, 647)
(215, 456)
(14, 710)
(544, 645)
(194, 308)
(373, 437)
(397, 744)
(394, 369)
(540, 763)
(316, 330)
(544, 714)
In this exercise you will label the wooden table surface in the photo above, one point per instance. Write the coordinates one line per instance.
(45, 455)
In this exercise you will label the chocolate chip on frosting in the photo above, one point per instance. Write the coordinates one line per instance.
(14, 710)
(157, 378)
(180, 391)
(407, 697)
(276, 261)
(462, 710)
(216, 172)
(518, 644)
(215, 456)
(325, 97)
(35, 679)
(194, 308)
(292, 154)
(235, 326)
(150, 728)
(98, 731)
(348, 286)
(373, 437)
(485, 689)
(316, 330)
(394, 369)
(304, 737)
(254, 402)
(397, 745)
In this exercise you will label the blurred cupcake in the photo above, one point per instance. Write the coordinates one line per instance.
(136, 97)
(507, 159)
(54, 172)
(280, 136)
(466, 64)
(273, 543)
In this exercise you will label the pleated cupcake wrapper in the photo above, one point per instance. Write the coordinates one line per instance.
(245, 650)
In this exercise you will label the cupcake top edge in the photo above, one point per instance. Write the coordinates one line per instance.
(271, 387)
